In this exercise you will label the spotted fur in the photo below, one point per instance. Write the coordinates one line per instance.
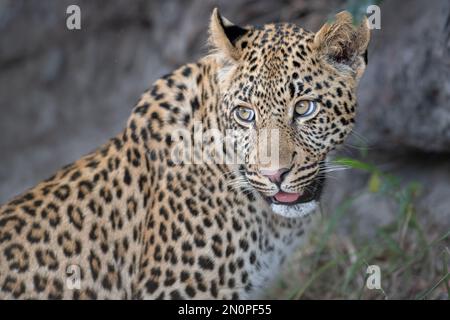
(140, 226)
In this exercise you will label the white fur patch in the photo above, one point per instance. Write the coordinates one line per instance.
(294, 211)
(223, 75)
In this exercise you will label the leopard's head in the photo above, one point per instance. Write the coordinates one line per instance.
(289, 96)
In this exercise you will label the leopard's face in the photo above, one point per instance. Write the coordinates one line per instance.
(288, 106)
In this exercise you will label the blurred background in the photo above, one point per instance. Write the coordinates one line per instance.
(63, 93)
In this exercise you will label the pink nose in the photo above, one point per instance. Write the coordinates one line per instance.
(274, 175)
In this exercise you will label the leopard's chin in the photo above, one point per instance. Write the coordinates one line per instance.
(298, 210)
(297, 205)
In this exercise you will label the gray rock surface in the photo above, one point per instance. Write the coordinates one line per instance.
(405, 95)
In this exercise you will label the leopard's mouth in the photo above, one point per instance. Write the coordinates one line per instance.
(310, 192)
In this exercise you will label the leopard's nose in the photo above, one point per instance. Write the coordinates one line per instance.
(275, 176)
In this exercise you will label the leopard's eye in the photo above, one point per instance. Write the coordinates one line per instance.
(244, 114)
(305, 108)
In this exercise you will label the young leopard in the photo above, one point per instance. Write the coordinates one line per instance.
(132, 222)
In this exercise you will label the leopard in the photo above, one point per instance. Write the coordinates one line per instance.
(145, 216)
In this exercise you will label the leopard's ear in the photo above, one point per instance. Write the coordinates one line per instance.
(343, 44)
(223, 36)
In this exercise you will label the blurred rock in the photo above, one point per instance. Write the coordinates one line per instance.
(369, 211)
(405, 93)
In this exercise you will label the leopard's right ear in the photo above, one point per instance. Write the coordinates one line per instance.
(223, 36)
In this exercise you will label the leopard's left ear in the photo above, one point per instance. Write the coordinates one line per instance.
(223, 36)
(343, 44)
